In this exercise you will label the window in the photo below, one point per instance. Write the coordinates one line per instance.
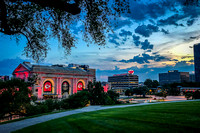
(47, 86)
(65, 87)
(80, 86)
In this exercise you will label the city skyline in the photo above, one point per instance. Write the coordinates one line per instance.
(153, 39)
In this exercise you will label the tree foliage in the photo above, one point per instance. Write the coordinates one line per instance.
(39, 20)
(14, 95)
(151, 84)
(113, 95)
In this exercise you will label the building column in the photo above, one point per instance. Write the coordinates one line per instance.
(59, 88)
(86, 83)
(74, 82)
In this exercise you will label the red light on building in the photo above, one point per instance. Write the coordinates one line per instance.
(47, 86)
(131, 72)
(80, 86)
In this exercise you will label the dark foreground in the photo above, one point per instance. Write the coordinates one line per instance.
(166, 117)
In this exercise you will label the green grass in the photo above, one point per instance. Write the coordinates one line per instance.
(167, 117)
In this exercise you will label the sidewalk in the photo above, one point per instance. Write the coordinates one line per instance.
(9, 127)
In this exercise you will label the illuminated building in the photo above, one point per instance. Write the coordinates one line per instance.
(197, 62)
(173, 77)
(56, 81)
(121, 82)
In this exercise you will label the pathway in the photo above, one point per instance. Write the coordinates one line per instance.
(9, 127)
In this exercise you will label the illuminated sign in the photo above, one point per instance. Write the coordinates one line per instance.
(131, 72)
(80, 86)
(65, 86)
(47, 86)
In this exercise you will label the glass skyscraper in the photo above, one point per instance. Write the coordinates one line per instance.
(197, 62)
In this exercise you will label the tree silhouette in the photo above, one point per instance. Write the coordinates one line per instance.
(39, 20)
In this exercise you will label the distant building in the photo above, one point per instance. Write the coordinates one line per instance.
(173, 77)
(192, 77)
(197, 62)
(121, 82)
(4, 78)
(56, 81)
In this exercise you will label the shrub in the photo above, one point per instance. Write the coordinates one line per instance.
(64, 104)
(108, 100)
(196, 95)
(78, 100)
(113, 95)
(34, 110)
(188, 95)
(50, 104)
(57, 104)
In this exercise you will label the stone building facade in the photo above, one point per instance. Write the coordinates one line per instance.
(56, 81)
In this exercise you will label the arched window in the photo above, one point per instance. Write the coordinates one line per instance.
(65, 87)
(47, 86)
(80, 86)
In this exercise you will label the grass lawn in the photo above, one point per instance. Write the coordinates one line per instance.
(166, 117)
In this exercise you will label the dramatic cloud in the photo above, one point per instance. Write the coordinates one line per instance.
(181, 64)
(186, 12)
(146, 30)
(185, 57)
(146, 45)
(190, 22)
(191, 61)
(165, 31)
(122, 23)
(145, 58)
(172, 20)
(136, 40)
(125, 33)
(141, 10)
(193, 38)
(113, 39)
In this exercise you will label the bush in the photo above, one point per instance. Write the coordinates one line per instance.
(188, 95)
(196, 95)
(57, 104)
(33, 98)
(64, 104)
(50, 104)
(78, 100)
(34, 110)
(108, 100)
(113, 95)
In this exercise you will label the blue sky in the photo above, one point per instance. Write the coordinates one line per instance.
(155, 37)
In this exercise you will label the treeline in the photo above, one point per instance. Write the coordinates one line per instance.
(142, 91)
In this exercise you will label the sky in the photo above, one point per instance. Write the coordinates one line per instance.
(155, 37)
